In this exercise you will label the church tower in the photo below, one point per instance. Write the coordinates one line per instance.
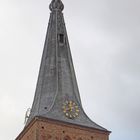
(57, 112)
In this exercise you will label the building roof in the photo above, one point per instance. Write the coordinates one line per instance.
(57, 83)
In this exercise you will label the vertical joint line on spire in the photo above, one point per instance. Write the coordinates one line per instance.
(56, 53)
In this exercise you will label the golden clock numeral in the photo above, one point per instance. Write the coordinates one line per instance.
(67, 114)
(76, 114)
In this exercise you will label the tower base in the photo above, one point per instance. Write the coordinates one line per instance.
(45, 129)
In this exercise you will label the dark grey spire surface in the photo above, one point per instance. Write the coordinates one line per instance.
(57, 83)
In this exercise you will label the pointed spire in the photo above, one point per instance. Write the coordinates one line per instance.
(57, 90)
(56, 5)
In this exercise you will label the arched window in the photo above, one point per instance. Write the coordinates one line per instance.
(48, 137)
(67, 138)
(79, 139)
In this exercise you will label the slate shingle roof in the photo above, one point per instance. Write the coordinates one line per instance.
(57, 81)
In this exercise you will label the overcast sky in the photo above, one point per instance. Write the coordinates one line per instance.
(104, 36)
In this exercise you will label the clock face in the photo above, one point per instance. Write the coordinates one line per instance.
(70, 109)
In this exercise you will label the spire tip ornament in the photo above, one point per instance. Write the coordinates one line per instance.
(56, 5)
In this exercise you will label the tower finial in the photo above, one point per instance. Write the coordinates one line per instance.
(56, 5)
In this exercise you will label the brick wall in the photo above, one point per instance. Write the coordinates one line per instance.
(52, 130)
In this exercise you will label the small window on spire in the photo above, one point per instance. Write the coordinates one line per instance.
(61, 38)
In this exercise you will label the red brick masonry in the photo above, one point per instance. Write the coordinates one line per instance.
(46, 129)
